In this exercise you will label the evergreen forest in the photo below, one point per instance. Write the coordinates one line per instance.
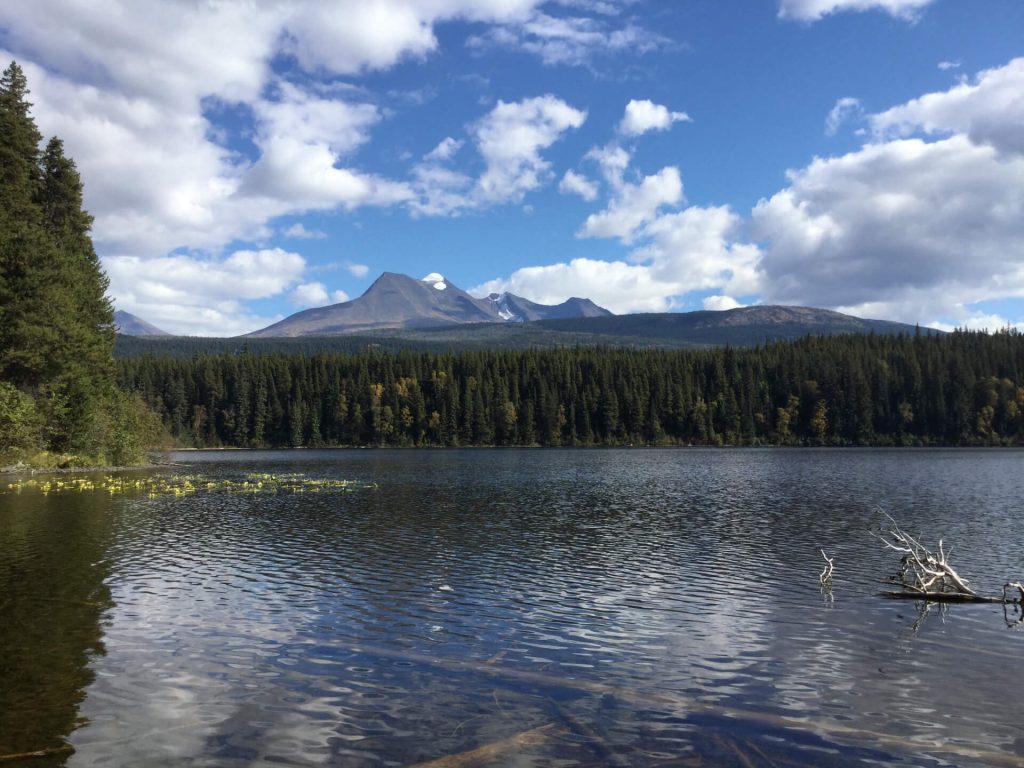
(962, 388)
(58, 395)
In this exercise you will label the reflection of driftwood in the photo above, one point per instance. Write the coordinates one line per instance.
(64, 749)
(927, 574)
(491, 752)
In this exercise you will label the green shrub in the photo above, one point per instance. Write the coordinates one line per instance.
(19, 422)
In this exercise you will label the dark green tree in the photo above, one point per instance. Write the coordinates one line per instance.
(56, 322)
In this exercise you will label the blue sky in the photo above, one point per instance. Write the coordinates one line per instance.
(247, 160)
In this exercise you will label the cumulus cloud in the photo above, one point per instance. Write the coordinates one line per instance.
(904, 229)
(945, 66)
(635, 205)
(509, 139)
(613, 161)
(812, 10)
(573, 183)
(909, 228)
(644, 115)
(689, 250)
(315, 295)
(989, 110)
(351, 36)
(845, 109)
(702, 248)
(203, 296)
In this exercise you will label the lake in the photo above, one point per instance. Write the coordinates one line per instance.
(509, 607)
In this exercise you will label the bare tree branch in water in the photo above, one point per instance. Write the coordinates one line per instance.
(928, 574)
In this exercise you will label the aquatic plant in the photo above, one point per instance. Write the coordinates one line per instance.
(183, 485)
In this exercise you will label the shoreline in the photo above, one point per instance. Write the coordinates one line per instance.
(27, 469)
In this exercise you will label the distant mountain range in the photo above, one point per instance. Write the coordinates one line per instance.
(399, 301)
(131, 325)
(399, 312)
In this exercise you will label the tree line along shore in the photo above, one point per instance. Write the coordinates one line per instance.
(962, 388)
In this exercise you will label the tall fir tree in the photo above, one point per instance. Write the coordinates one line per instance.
(56, 322)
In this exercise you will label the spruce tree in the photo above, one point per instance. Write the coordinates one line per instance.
(56, 322)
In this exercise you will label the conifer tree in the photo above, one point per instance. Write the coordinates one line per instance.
(56, 322)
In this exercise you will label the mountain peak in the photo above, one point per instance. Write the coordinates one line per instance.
(396, 301)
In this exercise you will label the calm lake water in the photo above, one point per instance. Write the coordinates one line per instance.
(587, 607)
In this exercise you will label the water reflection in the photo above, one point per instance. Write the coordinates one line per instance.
(53, 598)
(563, 607)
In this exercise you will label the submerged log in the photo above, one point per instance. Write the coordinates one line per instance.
(945, 597)
(489, 753)
(64, 749)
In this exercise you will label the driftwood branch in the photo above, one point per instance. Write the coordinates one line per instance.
(924, 573)
(826, 573)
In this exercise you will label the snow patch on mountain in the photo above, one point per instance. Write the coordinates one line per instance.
(437, 279)
(500, 301)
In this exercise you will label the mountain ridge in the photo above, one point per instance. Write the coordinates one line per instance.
(397, 301)
(128, 324)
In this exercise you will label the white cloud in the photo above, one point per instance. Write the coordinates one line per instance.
(634, 205)
(613, 161)
(570, 40)
(644, 115)
(721, 303)
(310, 295)
(904, 229)
(298, 231)
(945, 66)
(202, 296)
(845, 109)
(353, 36)
(445, 150)
(303, 137)
(357, 270)
(989, 110)
(315, 295)
(510, 139)
(812, 10)
(700, 248)
(693, 249)
(573, 183)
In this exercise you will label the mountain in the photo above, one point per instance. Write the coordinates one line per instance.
(744, 326)
(516, 309)
(397, 301)
(133, 325)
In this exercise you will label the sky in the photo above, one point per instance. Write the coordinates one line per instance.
(246, 160)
